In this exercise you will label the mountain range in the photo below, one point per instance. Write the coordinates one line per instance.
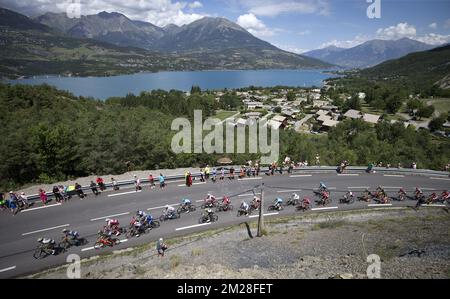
(111, 44)
(369, 53)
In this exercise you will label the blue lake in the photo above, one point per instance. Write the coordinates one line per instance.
(105, 87)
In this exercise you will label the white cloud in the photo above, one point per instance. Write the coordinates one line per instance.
(359, 39)
(291, 48)
(433, 25)
(195, 4)
(401, 30)
(272, 8)
(255, 26)
(158, 12)
(434, 39)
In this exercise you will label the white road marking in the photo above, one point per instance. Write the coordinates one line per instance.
(248, 194)
(248, 179)
(348, 174)
(8, 269)
(200, 200)
(434, 206)
(442, 179)
(192, 226)
(394, 175)
(326, 208)
(92, 248)
(110, 216)
(156, 208)
(43, 207)
(387, 187)
(359, 187)
(45, 229)
(331, 188)
(380, 205)
(300, 175)
(288, 191)
(184, 185)
(268, 214)
(124, 193)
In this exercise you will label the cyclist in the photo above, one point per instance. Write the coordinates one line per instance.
(140, 215)
(209, 213)
(418, 193)
(169, 211)
(277, 203)
(255, 202)
(47, 245)
(432, 198)
(401, 194)
(325, 196)
(70, 235)
(186, 204)
(225, 201)
(445, 195)
(148, 220)
(112, 224)
(210, 200)
(348, 196)
(295, 197)
(322, 187)
(244, 207)
(305, 204)
(380, 192)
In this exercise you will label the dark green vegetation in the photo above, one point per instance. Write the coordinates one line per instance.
(30, 48)
(49, 135)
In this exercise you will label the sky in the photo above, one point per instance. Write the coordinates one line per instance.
(293, 25)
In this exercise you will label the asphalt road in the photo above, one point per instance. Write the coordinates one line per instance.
(19, 233)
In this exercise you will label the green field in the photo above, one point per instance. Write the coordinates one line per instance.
(441, 105)
(221, 114)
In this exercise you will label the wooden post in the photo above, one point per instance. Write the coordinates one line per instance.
(261, 214)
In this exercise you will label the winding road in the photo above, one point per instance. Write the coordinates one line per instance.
(18, 234)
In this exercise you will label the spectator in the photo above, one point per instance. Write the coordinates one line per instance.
(12, 203)
(43, 196)
(214, 175)
(137, 183)
(414, 165)
(202, 175)
(94, 188)
(207, 172)
(101, 184)
(188, 179)
(57, 194)
(79, 191)
(162, 181)
(317, 160)
(222, 173)
(114, 184)
(161, 247)
(231, 177)
(151, 180)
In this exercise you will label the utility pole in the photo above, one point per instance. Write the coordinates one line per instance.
(261, 213)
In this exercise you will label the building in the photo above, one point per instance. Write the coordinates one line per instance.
(371, 118)
(282, 119)
(254, 105)
(253, 115)
(276, 125)
(353, 114)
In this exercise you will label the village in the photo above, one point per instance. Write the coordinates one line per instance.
(309, 111)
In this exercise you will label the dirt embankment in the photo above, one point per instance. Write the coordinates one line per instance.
(330, 245)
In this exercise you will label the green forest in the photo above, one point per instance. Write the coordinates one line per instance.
(49, 135)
